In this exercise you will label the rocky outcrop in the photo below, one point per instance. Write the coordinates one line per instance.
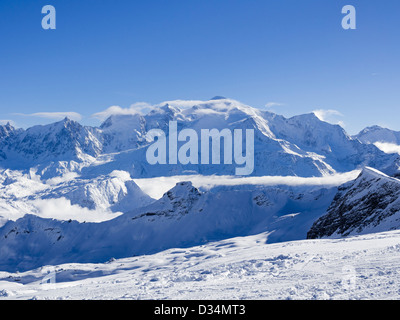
(369, 204)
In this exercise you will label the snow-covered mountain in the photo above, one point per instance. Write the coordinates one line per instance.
(70, 197)
(369, 204)
(122, 132)
(63, 140)
(116, 191)
(375, 134)
(7, 131)
(301, 145)
(69, 192)
(183, 217)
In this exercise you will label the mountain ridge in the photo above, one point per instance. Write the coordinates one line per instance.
(302, 145)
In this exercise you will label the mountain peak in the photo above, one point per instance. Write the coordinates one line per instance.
(70, 125)
(374, 127)
(371, 129)
(310, 115)
(116, 120)
(182, 190)
(182, 193)
(6, 130)
(369, 173)
(376, 133)
(7, 125)
(177, 201)
(66, 122)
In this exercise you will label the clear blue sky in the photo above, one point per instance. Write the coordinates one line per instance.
(290, 52)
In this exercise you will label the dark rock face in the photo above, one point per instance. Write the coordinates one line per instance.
(371, 202)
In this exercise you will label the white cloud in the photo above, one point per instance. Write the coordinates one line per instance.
(329, 115)
(323, 115)
(273, 104)
(222, 104)
(64, 178)
(62, 209)
(136, 108)
(388, 147)
(183, 104)
(53, 115)
(144, 107)
(156, 187)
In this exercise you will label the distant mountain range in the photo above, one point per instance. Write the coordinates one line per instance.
(92, 174)
(301, 145)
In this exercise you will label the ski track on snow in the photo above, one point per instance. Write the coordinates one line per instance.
(364, 267)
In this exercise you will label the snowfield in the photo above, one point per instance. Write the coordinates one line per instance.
(363, 267)
(83, 209)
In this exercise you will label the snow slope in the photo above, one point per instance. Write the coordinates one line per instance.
(363, 267)
(183, 217)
